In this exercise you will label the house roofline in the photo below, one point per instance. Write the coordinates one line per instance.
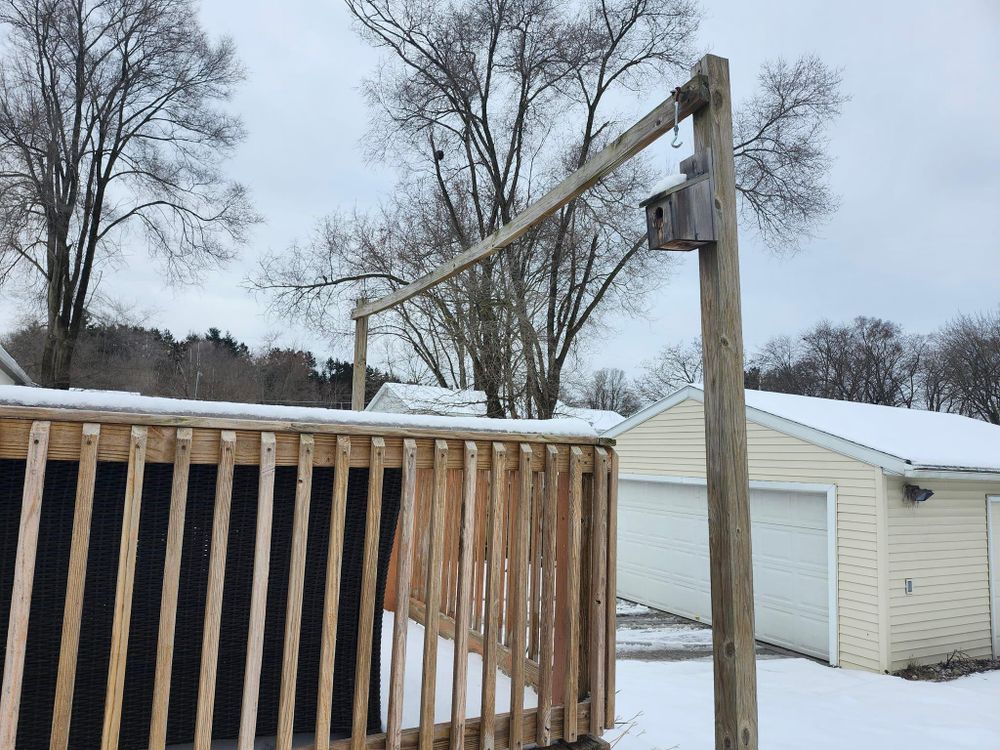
(890, 463)
(10, 366)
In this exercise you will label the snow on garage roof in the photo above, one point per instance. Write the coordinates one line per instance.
(914, 437)
(118, 401)
(432, 399)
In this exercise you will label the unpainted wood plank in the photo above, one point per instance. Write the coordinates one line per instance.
(482, 500)
(548, 626)
(433, 600)
(463, 609)
(366, 606)
(598, 589)
(171, 586)
(612, 589)
(360, 364)
(213, 597)
(258, 594)
(62, 706)
(123, 592)
(519, 594)
(404, 577)
(727, 475)
(535, 568)
(296, 582)
(573, 563)
(24, 576)
(494, 584)
(331, 599)
(692, 96)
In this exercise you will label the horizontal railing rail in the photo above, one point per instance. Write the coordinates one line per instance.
(296, 528)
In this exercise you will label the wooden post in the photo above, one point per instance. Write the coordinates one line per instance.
(360, 362)
(725, 431)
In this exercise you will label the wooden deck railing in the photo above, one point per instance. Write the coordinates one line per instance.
(507, 538)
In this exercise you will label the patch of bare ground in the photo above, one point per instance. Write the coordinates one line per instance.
(958, 664)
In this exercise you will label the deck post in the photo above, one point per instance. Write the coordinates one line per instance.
(725, 431)
(360, 361)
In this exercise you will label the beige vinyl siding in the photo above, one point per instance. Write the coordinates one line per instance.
(941, 544)
(672, 443)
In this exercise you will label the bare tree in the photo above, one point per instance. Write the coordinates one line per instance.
(968, 352)
(869, 360)
(110, 130)
(608, 388)
(780, 149)
(673, 367)
(482, 107)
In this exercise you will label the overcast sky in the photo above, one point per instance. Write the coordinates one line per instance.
(917, 151)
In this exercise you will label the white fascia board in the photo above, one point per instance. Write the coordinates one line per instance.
(657, 407)
(939, 473)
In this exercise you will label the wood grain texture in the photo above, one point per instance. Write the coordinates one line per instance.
(730, 561)
(366, 606)
(123, 592)
(693, 96)
(545, 666)
(598, 588)
(258, 594)
(24, 575)
(360, 364)
(171, 585)
(331, 599)
(213, 597)
(463, 608)
(612, 589)
(494, 585)
(519, 596)
(75, 579)
(535, 570)
(433, 598)
(573, 563)
(404, 578)
(293, 607)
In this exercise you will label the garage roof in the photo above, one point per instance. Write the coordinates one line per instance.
(453, 402)
(13, 370)
(898, 439)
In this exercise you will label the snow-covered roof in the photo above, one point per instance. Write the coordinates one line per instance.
(12, 369)
(601, 419)
(893, 437)
(117, 401)
(406, 398)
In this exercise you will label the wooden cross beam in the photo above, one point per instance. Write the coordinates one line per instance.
(694, 96)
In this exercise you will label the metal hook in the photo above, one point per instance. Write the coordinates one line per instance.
(677, 116)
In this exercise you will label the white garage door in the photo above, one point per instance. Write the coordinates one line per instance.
(663, 558)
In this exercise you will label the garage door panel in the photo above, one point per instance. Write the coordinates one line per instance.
(663, 558)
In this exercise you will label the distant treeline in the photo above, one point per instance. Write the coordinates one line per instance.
(213, 366)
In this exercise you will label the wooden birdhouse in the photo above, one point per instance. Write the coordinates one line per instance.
(680, 217)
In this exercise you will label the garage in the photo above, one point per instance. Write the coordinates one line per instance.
(663, 556)
(874, 528)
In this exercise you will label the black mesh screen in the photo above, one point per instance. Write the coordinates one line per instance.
(48, 595)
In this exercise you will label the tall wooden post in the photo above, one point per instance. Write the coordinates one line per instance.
(360, 361)
(725, 431)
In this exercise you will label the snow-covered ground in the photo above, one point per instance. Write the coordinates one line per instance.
(667, 705)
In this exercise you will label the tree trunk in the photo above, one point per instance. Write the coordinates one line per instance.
(57, 357)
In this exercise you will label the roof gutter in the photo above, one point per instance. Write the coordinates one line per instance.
(936, 472)
(13, 370)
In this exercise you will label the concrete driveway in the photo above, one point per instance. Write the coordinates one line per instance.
(647, 634)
